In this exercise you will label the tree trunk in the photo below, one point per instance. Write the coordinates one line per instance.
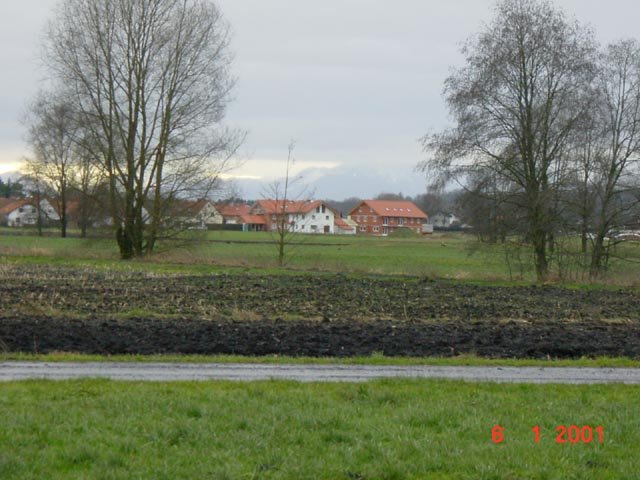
(596, 257)
(63, 214)
(584, 239)
(124, 236)
(83, 214)
(540, 248)
(281, 250)
(126, 233)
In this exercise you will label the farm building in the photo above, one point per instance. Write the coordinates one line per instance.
(233, 213)
(345, 226)
(382, 217)
(302, 216)
(23, 212)
(198, 214)
(252, 223)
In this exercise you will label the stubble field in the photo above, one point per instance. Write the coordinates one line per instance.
(46, 309)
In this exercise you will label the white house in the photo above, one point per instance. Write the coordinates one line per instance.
(301, 216)
(24, 213)
(200, 214)
(319, 218)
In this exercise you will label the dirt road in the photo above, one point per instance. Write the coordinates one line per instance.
(10, 371)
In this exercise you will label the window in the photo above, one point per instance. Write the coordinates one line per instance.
(318, 209)
(314, 228)
(363, 229)
(376, 229)
(374, 219)
(327, 217)
(313, 217)
(323, 209)
(400, 221)
(385, 220)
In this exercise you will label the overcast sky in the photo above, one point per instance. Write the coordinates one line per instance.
(355, 82)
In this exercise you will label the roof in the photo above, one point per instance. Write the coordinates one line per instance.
(392, 208)
(252, 219)
(73, 206)
(344, 224)
(234, 209)
(194, 206)
(271, 207)
(8, 205)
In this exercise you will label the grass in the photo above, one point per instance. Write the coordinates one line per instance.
(377, 359)
(387, 429)
(446, 256)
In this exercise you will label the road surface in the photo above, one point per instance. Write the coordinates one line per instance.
(133, 371)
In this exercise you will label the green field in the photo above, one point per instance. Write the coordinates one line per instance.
(448, 256)
(387, 429)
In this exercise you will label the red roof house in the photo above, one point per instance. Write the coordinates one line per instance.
(233, 212)
(382, 217)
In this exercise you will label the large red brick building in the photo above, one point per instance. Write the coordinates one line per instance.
(382, 217)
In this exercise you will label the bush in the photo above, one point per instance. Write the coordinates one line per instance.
(404, 232)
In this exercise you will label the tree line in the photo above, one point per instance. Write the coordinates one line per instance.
(11, 189)
(546, 131)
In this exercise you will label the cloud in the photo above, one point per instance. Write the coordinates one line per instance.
(10, 159)
(268, 169)
(355, 82)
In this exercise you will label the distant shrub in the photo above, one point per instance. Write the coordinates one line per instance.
(404, 232)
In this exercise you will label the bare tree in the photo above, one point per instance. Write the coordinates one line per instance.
(584, 152)
(489, 206)
(280, 192)
(515, 104)
(150, 80)
(90, 190)
(52, 131)
(614, 170)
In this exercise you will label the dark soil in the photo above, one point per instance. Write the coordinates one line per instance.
(55, 309)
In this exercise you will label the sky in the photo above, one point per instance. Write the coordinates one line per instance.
(355, 83)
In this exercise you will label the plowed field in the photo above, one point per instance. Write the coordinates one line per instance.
(59, 309)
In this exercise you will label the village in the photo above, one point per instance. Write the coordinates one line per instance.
(368, 217)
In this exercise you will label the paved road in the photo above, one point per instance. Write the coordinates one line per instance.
(308, 373)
